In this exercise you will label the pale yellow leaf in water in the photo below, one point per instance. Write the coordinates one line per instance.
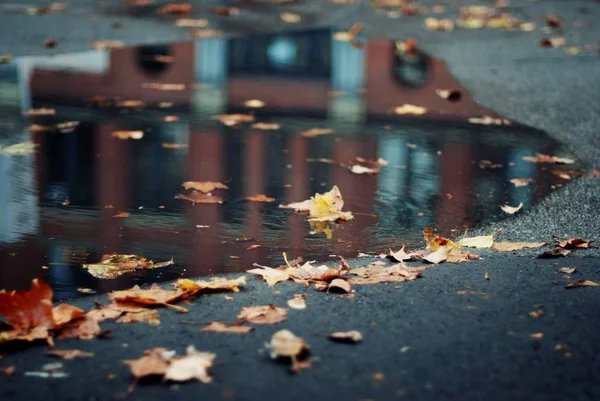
(204, 186)
(314, 132)
(515, 246)
(234, 119)
(352, 336)
(521, 182)
(483, 241)
(536, 336)
(542, 158)
(195, 365)
(266, 126)
(510, 209)
(410, 109)
(221, 327)
(328, 206)
(19, 149)
(298, 302)
(271, 276)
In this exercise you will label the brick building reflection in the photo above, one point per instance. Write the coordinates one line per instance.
(294, 74)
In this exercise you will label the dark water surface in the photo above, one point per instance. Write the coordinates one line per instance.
(306, 80)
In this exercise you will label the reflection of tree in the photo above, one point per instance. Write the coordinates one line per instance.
(412, 69)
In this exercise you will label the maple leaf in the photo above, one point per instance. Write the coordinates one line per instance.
(328, 207)
(516, 246)
(152, 296)
(268, 314)
(352, 337)
(582, 283)
(204, 186)
(484, 241)
(64, 313)
(113, 266)
(217, 284)
(270, 275)
(28, 312)
(84, 329)
(220, 327)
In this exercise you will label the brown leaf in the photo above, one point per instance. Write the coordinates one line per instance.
(270, 275)
(298, 302)
(84, 329)
(69, 354)
(121, 215)
(339, 285)
(541, 158)
(199, 197)
(221, 327)
(285, 344)
(152, 296)
(260, 198)
(516, 246)
(486, 164)
(193, 366)
(582, 283)
(153, 363)
(9, 371)
(149, 316)
(536, 313)
(352, 336)
(554, 253)
(176, 9)
(268, 314)
(204, 186)
(567, 270)
(510, 209)
(573, 243)
(28, 312)
(64, 313)
(314, 132)
(113, 266)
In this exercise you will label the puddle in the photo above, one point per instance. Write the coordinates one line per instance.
(306, 80)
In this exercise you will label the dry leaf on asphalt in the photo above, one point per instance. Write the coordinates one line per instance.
(64, 313)
(516, 246)
(573, 243)
(537, 313)
(440, 255)
(69, 354)
(374, 274)
(270, 275)
(582, 283)
(268, 314)
(521, 182)
(567, 270)
(85, 328)
(217, 284)
(285, 344)
(298, 302)
(554, 253)
(314, 132)
(400, 255)
(260, 198)
(222, 327)
(510, 209)
(204, 186)
(194, 365)
(151, 296)
(149, 316)
(113, 266)
(199, 197)
(339, 285)
(484, 241)
(352, 337)
(541, 158)
(155, 362)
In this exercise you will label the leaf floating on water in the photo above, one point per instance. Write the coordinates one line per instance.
(121, 215)
(510, 209)
(484, 241)
(41, 112)
(351, 337)
(176, 9)
(268, 314)
(260, 198)
(107, 44)
(124, 135)
(221, 327)
(516, 246)
(266, 126)
(290, 18)
(314, 132)
(582, 283)
(204, 186)
(19, 149)
(199, 197)
(151, 296)
(521, 182)
(410, 109)
(113, 266)
(541, 158)
(434, 24)
(323, 207)
(231, 120)
(254, 104)
(303, 206)
(486, 164)
(488, 120)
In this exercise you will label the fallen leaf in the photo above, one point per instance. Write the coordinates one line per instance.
(285, 344)
(86, 290)
(225, 11)
(314, 132)
(582, 283)
(199, 197)
(253, 247)
(510, 209)
(149, 316)
(266, 126)
(298, 302)
(254, 104)
(339, 285)
(152, 296)
(378, 376)
(191, 23)
(41, 112)
(50, 43)
(484, 241)
(64, 313)
(434, 24)
(400, 256)
(352, 337)
(303, 206)
(573, 243)
(155, 362)
(486, 276)
(268, 314)
(536, 336)
(410, 109)
(5, 58)
(121, 215)
(84, 329)
(536, 313)
(124, 135)
(109, 312)
(567, 270)
(8, 370)
(440, 255)
(176, 9)
(328, 207)
(194, 365)
(553, 42)
(290, 18)
(113, 266)
(270, 275)
(486, 164)
(554, 253)
(234, 119)
(260, 198)
(541, 158)
(215, 285)
(521, 182)
(488, 120)
(470, 292)
(69, 354)
(453, 95)
(434, 241)
(204, 186)
(374, 274)
(221, 327)
(516, 246)
(175, 145)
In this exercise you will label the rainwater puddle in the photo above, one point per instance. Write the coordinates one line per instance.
(57, 206)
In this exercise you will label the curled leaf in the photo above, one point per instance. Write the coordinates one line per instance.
(352, 337)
